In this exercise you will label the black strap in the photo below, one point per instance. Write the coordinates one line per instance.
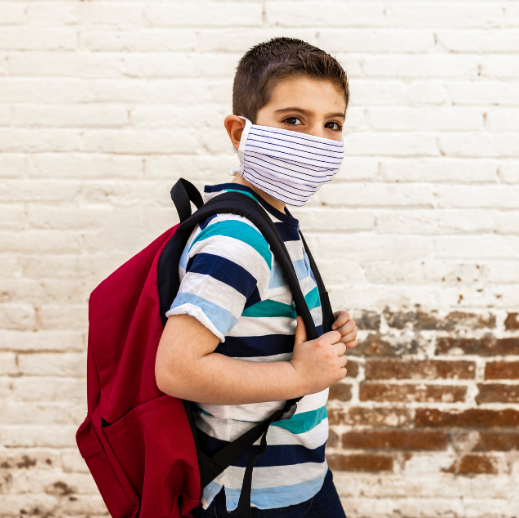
(182, 193)
(328, 317)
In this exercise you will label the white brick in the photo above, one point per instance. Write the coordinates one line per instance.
(420, 66)
(400, 144)
(425, 119)
(38, 413)
(377, 195)
(138, 142)
(395, 93)
(358, 169)
(500, 67)
(225, 14)
(53, 364)
(143, 40)
(325, 14)
(440, 170)
(45, 91)
(502, 145)
(478, 93)
(12, 504)
(502, 119)
(12, 217)
(8, 364)
(12, 166)
(9, 266)
(16, 316)
(117, 15)
(37, 435)
(15, 340)
(89, 165)
(66, 316)
(381, 40)
(5, 115)
(509, 172)
(41, 241)
(67, 64)
(70, 116)
(436, 222)
(67, 218)
(196, 168)
(36, 141)
(12, 13)
(41, 388)
(179, 65)
(490, 196)
(454, 15)
(239, 40)
(480, 41)
(482, 247)
(37, 190)
(25, 38)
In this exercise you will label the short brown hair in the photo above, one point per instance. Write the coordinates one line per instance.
(265, 64)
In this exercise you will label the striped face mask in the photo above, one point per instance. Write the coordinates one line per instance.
(288, 165)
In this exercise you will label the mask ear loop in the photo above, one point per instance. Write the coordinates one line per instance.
(241, 148)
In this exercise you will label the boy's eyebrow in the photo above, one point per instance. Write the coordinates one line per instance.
(306, 112)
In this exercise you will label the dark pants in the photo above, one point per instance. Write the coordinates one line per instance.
(325, 504)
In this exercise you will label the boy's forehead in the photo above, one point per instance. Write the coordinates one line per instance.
(307, 93)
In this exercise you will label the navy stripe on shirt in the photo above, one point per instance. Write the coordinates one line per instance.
(276, 455)
(223, 270)
(253, 346)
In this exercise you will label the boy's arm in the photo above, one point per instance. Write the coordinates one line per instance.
(188, 368)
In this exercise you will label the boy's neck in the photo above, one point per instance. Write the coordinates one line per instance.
(279, 205)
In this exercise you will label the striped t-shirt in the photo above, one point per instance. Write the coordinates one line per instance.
(231, 282)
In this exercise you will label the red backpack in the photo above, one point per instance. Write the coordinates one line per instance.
(139, 443)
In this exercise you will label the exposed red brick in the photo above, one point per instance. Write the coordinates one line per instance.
(333, 439)
(497, 441)
(425, 369)
(421, 320)
(497, 393)
(486, 346)
(472, 418)
(412, 393)
(359, 416)
(352, 369)
(367, 462)
(512, 322)
(340, 391)
(395, 440)
(368, 320)
(470, 320)
(502, 371)
(376, 344)
(473, 465)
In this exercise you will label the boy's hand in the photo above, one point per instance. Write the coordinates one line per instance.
(320, 362)
(346, 327)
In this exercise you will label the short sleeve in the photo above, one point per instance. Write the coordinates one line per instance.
(228, 265)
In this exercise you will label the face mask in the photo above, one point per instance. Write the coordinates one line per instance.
(288, 165)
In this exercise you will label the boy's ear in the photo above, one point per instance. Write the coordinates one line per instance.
(234, 126)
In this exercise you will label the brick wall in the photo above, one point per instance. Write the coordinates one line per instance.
(103, 104)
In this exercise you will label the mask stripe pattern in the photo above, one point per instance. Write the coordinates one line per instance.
(288, 165)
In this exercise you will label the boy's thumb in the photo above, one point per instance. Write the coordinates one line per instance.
(300, 331)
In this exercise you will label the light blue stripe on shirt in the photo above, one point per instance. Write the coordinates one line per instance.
(221, 318)
(277, 279)
(277, 496)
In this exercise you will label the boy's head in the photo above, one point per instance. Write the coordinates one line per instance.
(288, 83)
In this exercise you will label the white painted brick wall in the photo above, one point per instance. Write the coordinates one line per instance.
(105, 103)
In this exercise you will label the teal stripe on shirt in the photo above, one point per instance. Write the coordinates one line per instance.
(304, 422)
(238, 230)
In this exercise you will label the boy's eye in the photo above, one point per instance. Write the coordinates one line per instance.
(335, 126)
(293, 121)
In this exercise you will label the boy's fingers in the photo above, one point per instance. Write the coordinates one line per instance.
(349, 337)
(347, 328)
(300, 331)
(341, 317)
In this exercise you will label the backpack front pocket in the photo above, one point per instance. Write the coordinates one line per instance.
(117, 501)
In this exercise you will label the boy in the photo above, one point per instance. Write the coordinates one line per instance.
(233, 343)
